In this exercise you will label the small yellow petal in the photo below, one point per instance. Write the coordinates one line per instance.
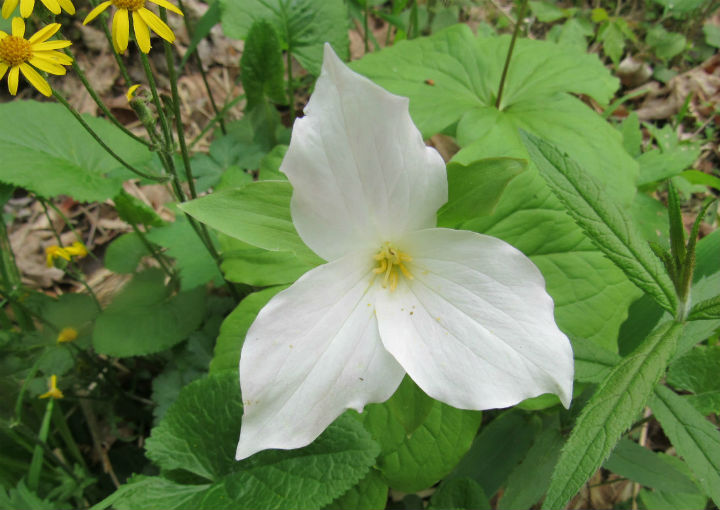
(54, 56)
(3, 35)
(168, 6)
(142, 33)
(18, 27)
(67, 335)
(67, 6)
(26, 8)
(123, 28)
(50, 45)
(131, 92)
(77, 249)
(157, 25)
(44, 33)
(47, 66)
(8, 8)
(96, 11)
(52, 6)
(36, 80)
(3, 69)
(13, 77)
(54, 392)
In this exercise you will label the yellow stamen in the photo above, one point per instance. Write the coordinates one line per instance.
(15, 50)
(390, 259)
(130, 5)
(53, 392)
(67, 335)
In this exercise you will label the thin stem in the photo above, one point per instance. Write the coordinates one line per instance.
(518, 24)
(102, 144)
(11, 278)
(217, 118)
(25, 432)
(196, 56)
(365, 25)
(101, 105)
(37, 458)
(164, 124)
(178, 117)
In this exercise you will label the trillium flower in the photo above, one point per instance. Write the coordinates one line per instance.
(465, 315)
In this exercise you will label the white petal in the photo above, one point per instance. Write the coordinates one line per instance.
(475, 327)
(313, 351)
(360, 171)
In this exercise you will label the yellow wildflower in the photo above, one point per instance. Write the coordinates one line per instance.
(67, 335)
(53, 392)
(27, 6)
(143, 20)
(131, 92)
(77, 249)
(20, 54)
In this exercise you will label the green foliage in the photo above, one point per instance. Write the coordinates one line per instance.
(125, 253)
(421, 439)
(144, 318)
(181, 446)
(694, 437)
(602, 220)
(49, 152)
(618, 400)
(262, 65)
(665, 44)
(369, 494)
(459, 493)
(303, 25)
(697, 372)
(134, 211)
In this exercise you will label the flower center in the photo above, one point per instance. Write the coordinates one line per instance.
(390, 259)
(15, 50)
(130, 5)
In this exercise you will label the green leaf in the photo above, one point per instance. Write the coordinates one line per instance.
(529, 481)
(459, 493)
(257, 214)
(698, 177)
(475, 190)
(309, 477)
(572, 33)
(134, 211)
(492, 457)
(693, 436)
(410, 461)
(262, 65)
(371, 493)
(656, 165)
(125, 253)
(660, 500)
(303, 25)
(611, 410)
(712, 34)
(602, 220)
(630, 460)
(592, 362)
(697, 372)
(666, 44)
(243, 263)
(546, 12)
(144, 319)
(201, 29)
(234, 328)
(612, 37)
(706, 310)
(50, 153)
(194, 263)
(409, 406)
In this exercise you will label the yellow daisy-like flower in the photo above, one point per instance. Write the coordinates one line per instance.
(143, 20)
(20, 54)
(131, 92)
(77, 249)
(53, 392)
(27, 6)
(67, 335)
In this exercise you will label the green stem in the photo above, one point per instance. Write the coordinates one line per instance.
(11, 278)
(102, 144)
(176, 109)
(101, 105)
(216, 119)
(164, 124)
(196, 56)
(26, 433)
(518, 24)
(62, 427)
(37, 458)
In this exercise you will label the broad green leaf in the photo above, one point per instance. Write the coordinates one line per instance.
(572, 33)
(492, 457)
(466, 72)
(193, 262)
(605, 222)
(50, 153)
(371, 493)
(592, 362)
(410, 461)
(665, 44)
(697, 372)
(660, 500)
(656, 165)
(706, 310)
(270, 165)
(243, 263)
(409, 406)
(529, 481)
(303, 25)
(124, 253)
(547, 12)
(459, 493)
(611, 410)
(308, 477)
(234, 328)
(613, 39)
(630, 460)
(698, 177)
(143, 318)
(20, 497)
(257, 214)
(233, 177)
(475, 190)
(134, 211)
(693, 436)
(262, 65)
(712, 34)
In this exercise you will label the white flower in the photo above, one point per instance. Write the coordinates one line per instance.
(464, 314)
